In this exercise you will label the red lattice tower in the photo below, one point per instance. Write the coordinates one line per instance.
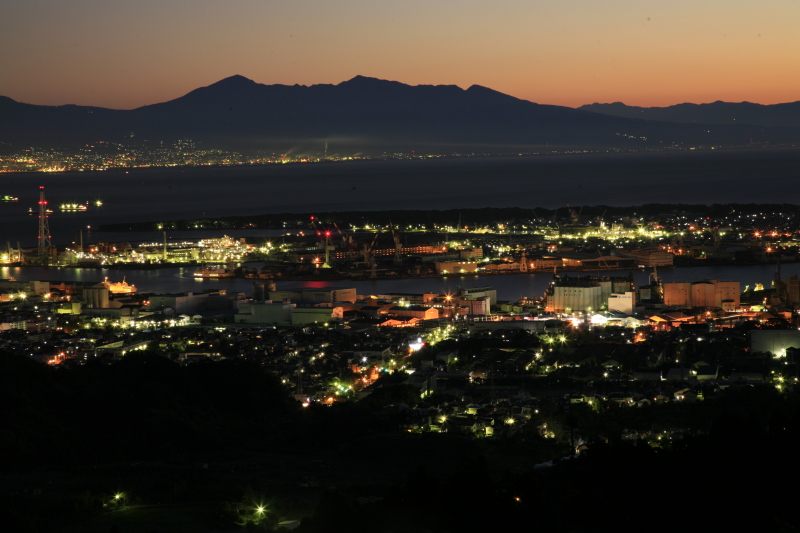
(45, 241)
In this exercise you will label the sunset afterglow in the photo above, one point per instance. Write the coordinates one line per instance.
(128, 54)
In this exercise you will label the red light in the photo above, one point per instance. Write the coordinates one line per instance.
(327, 233)
(312, 218)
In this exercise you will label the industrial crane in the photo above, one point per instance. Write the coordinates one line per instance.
(398, 246)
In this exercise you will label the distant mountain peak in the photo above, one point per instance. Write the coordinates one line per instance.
(717, 112)
(360, 78)
(226, 87)
(482, 89)
(235, 80)
(368, 82)
(376, 115)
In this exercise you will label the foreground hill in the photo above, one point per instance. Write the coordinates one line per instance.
(361, 115)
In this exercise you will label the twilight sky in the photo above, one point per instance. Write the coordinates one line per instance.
(124, 54)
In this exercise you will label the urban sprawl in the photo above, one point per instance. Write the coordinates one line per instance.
(597, 358)
(590, 331)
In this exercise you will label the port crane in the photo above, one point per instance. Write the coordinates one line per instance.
(398, 246)
(369, 255)
(347, 240)
(325, 239)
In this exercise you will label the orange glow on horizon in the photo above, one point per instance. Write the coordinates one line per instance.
(125, 55)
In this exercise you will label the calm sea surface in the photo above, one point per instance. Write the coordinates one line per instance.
(760, 176)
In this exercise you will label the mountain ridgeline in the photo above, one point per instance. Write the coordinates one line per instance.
(771, 116)
(363, 115)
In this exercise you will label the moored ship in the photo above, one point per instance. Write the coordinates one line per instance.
(118, 287)
(73, 207)
(212, 272)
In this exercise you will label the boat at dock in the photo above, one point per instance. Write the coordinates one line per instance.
(118, 287)
(212, 273)
(74, 207)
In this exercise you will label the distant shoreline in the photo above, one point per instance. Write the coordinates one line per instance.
(573, 153)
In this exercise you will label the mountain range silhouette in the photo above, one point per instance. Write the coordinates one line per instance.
(366, 115)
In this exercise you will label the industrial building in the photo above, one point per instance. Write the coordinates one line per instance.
(707, 293)
(313, 296)
(191, 303)
(414, 311)
(477, 293)
(455, 267)
(584, 294)
(284, 314)
(652, 258)
(623, 302)
(577, 260)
